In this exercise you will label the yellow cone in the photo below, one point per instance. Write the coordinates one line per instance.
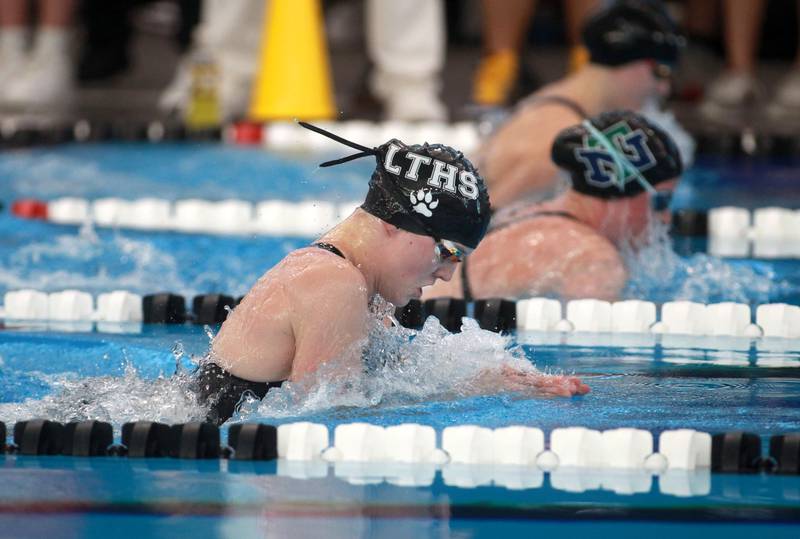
(293, 79)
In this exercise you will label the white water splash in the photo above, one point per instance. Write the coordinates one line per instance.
(111, 398)
(657, 273)
(48, 175)
(99, 265)
(402, 366)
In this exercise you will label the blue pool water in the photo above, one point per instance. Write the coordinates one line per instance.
(50, 372)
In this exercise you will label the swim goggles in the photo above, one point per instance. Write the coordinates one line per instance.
(447, 251)
(661, 201)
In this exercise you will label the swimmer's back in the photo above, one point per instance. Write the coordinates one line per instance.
(262, 337)
(516, 159)
(555, 255)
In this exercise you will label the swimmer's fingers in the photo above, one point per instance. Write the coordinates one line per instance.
(515, 380)
(564, 386)
(577, 387)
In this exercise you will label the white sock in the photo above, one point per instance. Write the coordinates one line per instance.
(52, 41)
(12, 41)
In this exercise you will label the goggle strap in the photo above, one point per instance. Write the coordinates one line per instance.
(337, 138)
(346, 159)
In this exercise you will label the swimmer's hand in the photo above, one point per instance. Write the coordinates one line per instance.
(518, 381)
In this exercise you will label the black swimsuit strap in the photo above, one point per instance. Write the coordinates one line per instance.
(534, 215)
(554, 213)
(466, 291)
(559, 100)
(329, 247)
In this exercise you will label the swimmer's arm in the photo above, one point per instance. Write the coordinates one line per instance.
(528, 381)
(517, 159)
(329, 322)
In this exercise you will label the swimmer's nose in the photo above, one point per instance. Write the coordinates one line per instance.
(445, 270)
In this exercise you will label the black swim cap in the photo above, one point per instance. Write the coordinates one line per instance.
(632, 30)
(598, 150)
(427, 189)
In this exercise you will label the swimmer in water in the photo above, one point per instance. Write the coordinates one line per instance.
(426, 207)
(623, 171)
(632, 46)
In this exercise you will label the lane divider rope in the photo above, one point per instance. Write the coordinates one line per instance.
(628, 322)
(576, 458)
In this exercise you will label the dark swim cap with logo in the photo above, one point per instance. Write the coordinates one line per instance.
(427, 189)
(631, 30)
(616, 154)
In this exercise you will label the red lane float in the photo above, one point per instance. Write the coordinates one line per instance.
(29, 208)
(246, 133)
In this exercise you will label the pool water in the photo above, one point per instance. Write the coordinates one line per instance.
(710, 385)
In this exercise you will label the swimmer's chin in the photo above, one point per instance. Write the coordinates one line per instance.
(416, 294)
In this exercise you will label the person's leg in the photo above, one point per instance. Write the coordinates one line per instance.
(575, 13)
(702, 23)
(505, 23)
(56, 13)
(701, 18)
(46, 79)
(742, 33)
(55, 27)
(13, 40)
(406, 42)
(13, 13)
(742, 29)
(787, 96)
(13, 27)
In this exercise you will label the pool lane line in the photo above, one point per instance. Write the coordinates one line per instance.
(438, 511)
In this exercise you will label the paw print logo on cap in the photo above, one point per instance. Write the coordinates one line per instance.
(423, 202)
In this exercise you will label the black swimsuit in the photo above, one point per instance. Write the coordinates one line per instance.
(222, 391)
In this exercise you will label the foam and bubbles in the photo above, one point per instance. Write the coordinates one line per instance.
(98, 261)
(93, 263)
(110, 398)
(657, 273)
(402, 367)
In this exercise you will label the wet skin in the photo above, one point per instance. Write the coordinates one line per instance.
(313, 307)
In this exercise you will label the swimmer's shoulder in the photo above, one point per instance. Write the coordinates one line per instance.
(570, 231)
(311, 271)
(561, 234)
